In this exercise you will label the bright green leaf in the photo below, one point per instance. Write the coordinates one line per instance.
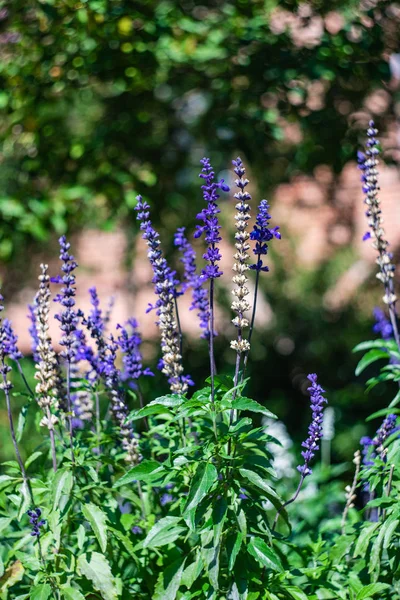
(98, 522)
(95, 568)
(264, 554)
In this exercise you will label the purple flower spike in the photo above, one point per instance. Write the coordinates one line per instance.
(315, 428)
(165, 288)
(195, 281)
(68, 318)
(10, 341)
(372, 446)
(35, 520)
(131, 355)
(209, 216)
(382, 326)
(33, 330)
(262, 234)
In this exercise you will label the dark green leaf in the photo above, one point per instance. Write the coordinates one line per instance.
(98, 522)
(369, 358)
(70, 593)
(95, 567)
(252, 406)
(204, 478)
(233, 543)
(264, 554)
(165, 531)
(147, 470)
(169, 581)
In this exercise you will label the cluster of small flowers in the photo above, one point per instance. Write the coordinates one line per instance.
(47, 366)
(375, 445)
(209, 215)
(165, 288)
(129, 344)
(382, 325)
(367, 163)
(241, 305)
(119, 407)
(194, 281)
(5, 385)
(35, 520)
(315, 428)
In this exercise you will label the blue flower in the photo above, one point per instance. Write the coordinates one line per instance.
(262, 234)
(209, 216)
(315, 428)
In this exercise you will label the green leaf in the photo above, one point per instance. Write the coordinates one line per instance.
(147, 411)
(165, 531)
(70, 593)
(25, 500)
(62, 487)
(253, 406)
(369, 358)
(233, 544)
(2, 566)
(192, 572)
(95, 568)
(395, 400)
(368, 345)
(98, 522)
(371, 590)
(218, 518)
(390, 529)
(147, 470)
(364, 538)
(41, 592)
(172, 401)
(210, 554)
(204, 478)
(21, 422)
(296, 593)
(272, 496)
(263, 553)
(32, 458)
(383, 412)
(169, 580)
(125, 541)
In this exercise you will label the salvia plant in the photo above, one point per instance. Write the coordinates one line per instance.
(193, 494)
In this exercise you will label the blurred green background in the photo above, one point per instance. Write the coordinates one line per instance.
(104, 99)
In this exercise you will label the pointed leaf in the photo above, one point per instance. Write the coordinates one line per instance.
(62, 486)
(253, 406)
(272, 496)
(147, 470)
(95, 567)
(98, 522)
(70, 593)
(41, 592)
(264, 554)
(205, 477)
(369, 358)
(371, 590)
(169, 581)
(165, 531)
(233, 543)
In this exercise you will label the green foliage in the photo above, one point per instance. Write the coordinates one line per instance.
(74, 151)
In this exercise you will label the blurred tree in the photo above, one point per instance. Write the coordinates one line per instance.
(102, 99)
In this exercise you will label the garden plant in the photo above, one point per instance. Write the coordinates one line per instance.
(178, 496)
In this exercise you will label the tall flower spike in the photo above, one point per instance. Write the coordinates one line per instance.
(164, 284)
(367, 163)
(47, 373)
(11, 341)
(33, 329)
(262, 234)
(314, 436)
(68, 317)
(315, 428)
(132, 359)
(241, 305)
(209, 216)
(382, 325)
(119, 407)
(194, 281)
(46, 368)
